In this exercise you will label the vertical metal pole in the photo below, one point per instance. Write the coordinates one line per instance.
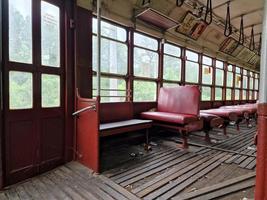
(98, 67)
(261, 170)
(263, 67)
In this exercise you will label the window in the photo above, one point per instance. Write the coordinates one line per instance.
(250, 95)
(255, 95)
(191, 72)
(238, 81)
(219, 79)
(228, 94)
(110, 31)
(114, 62)
(145, 63)
(244, 95)
(50, 26)
(229, 82)
(172, 50)
(256, 86)
(20, 90)
(191, 56)
(145, 42)
(171, 63)
(237, 94)
(114, 56)
(50, 91)
(207, 60)
(112, 89)
(206, 94)
(245, 82)
(20, 31)
(237, 77)
(145, 90)
(251, 86)
(145, 58)
(170, 84)
(207, 74)
(218, 94)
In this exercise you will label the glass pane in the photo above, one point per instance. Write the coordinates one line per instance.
(244, 72)
(207, 60)
(256, 84)
(251, 83)
(145, 91)
(20, 90)
(255, 95)
(228, 94)
(250, 95)
(218, 94)
(206, 94)
(229, 82)
(171, 68)
(20, 31)
(146, 42)
(191, 56)
(244, 95)
(237, 70)
(219, 77)
(112, 89)
(219, 64)
(191, 72)
(245, 82)
(237, 94)
(207, 74)
(50, 91)
(230, 68)
(114, 56)
(238, 81)
(111, 31)
(172, 50)
(170, 84)
(50, 26)
(145, 63)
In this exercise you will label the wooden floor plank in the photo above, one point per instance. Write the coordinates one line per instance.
(213, 188)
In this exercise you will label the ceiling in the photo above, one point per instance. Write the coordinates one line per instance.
(251, 10)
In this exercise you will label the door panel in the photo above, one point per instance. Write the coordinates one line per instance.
(34, 72)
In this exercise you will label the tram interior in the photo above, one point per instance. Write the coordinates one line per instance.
(132, 99)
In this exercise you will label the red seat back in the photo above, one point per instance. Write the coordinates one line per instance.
(180, 99)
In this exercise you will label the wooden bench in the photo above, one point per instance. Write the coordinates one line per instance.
(117, 118)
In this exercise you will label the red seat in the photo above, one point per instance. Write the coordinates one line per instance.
(177, 108)
(170, 117)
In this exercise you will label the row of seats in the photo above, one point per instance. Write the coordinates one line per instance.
(178, 109)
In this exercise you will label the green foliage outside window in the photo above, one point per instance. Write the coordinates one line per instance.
(20, 90)
(114, 57)
(228, 94)
(171, 68)
(145, 91)
(112, 89)
(219, 77)
(20, 31)
(218, 94)
(229, 81)
(145, 63)
(206, 93)
(191, 72)
(50, 91)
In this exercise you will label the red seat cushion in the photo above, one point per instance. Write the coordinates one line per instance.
(170, 117)
(180, 99)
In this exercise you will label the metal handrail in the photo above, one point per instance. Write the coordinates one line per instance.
(93, 107)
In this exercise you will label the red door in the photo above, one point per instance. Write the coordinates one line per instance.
(34, 94)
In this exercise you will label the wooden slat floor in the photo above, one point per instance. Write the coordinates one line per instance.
(223, 170)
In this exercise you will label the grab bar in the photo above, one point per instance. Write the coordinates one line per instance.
(93, 107)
